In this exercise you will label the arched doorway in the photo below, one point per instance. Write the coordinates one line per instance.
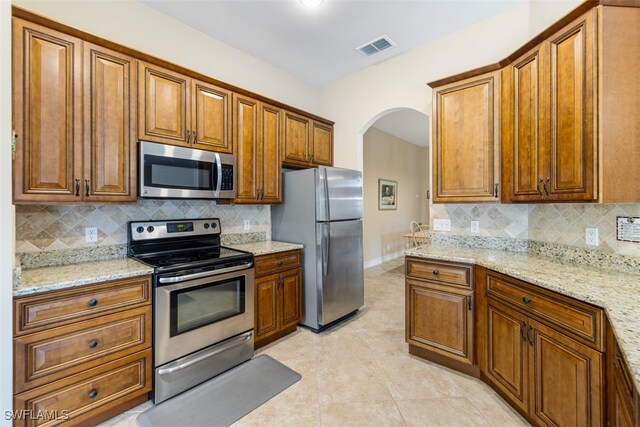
(394, 156)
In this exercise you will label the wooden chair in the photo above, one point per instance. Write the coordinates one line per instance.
(417, 233)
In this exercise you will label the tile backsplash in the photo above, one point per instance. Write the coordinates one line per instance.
(53, 227)
(559, 223)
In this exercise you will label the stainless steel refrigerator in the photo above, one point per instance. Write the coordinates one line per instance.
(322, 209)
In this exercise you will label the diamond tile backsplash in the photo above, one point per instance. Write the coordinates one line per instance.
(51, 227)
(562, 224)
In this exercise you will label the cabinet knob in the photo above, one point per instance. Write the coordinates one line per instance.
(93, 393)
(436, 272)
(526, 300)
(93, 344)
(279, 263)
(93, 302)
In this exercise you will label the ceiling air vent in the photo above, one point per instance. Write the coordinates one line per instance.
(376, 46)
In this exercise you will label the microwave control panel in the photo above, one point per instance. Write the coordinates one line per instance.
(227, 178)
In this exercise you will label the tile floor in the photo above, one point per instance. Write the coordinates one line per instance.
(361, 374)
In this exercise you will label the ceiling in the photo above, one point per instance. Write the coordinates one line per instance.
(410, 125)
(319, 45)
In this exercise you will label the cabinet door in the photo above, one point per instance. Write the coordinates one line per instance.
(270, 164)
(465, 140)
(566, 380)
(163, 106)
(296, 140)
(246, 125)
(291, 299)
(522, 121)
(211, 110)
(440, 320)
(322, 141)
(572, 68)
(110, 129)
(266, 305)
(47, 114)
(507, 353)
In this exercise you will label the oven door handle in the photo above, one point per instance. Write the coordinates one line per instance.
(205, 273)
(234, 342)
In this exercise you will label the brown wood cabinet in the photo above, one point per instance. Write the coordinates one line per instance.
(86, 351)
(440, 312)
(622, 396)
(532, 359)
(278, 296)
(306, 142)
(257, 132)
(466, 138)
(178, 110)
(549, 139)
(60, 157)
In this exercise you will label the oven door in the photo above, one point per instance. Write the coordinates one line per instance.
(194, 314)
(177, 172)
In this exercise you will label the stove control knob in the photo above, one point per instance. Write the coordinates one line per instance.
(150, 229)
(206, 225)
(214, 225)
(140, 229)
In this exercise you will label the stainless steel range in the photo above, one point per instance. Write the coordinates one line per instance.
(203, 301)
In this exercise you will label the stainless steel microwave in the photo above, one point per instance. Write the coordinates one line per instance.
(170, 172)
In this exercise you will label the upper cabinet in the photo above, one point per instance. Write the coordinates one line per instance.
(74, 114)
(306, 142)
(178, 110)
(549, 140)
(562, 117)
(466, 131)
(257, 131)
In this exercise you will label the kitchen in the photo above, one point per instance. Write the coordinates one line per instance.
(349, 101)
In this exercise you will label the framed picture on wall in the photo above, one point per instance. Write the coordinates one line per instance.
(387, 194)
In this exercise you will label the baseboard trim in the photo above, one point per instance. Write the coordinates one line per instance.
(380, 260)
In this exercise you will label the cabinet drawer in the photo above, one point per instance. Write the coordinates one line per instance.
(275, 263)
(50, 355)
(35, 313)
(78, 398)
(440, 272)
(579, 320)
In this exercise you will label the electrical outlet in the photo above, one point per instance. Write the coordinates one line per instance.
(247, 225)
(475, 226)
(442, 224)
(91, 234)
(591, 236)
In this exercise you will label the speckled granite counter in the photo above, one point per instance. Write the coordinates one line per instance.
(67, 276)
(617, 293)
(266, 247)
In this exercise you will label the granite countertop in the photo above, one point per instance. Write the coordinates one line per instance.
(618, 293)
(44, 279)
(266, 247)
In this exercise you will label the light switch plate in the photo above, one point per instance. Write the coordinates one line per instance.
(442, 224)
(475, 226)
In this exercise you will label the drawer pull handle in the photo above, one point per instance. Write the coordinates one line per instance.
(93, 302)
(279, 263)
(93, 344)
(93, 393)
(526, 300)
(522, 326)
(436, 272)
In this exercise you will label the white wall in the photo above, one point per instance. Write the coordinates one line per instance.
(401, 82)
(6, 217)
(140, 27)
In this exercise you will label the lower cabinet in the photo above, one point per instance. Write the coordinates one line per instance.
(82, 355)
(623, 402)
(550, 377)
(440, 311)
(278, 296)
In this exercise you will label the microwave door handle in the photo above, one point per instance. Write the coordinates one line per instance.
(219, 165)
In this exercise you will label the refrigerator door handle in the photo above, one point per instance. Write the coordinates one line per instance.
(326, 237)
(326, 196)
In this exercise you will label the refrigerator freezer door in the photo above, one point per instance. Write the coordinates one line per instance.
(340, 281)
(338, 194)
